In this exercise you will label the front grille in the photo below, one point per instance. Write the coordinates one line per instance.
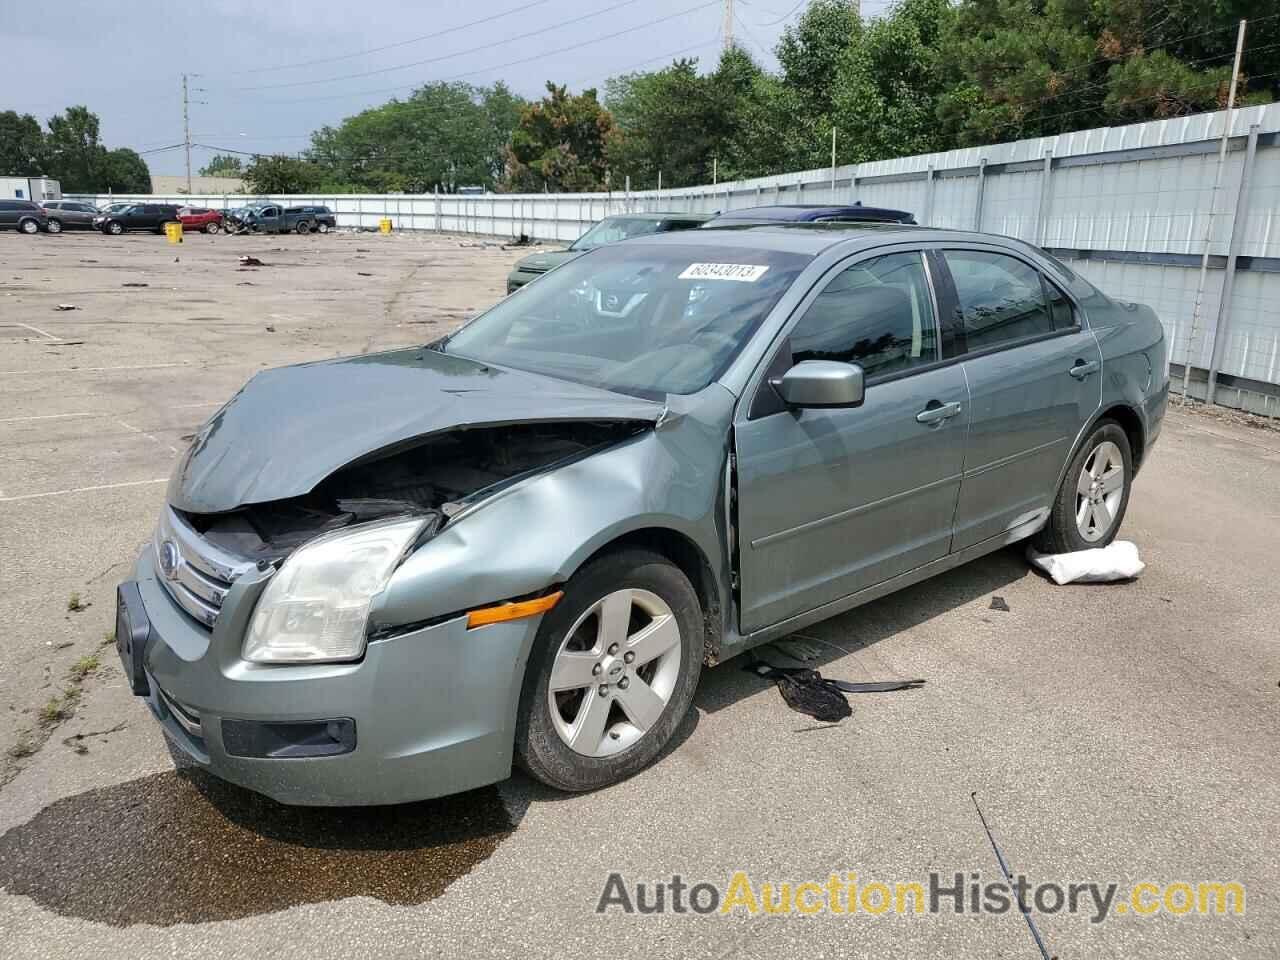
(197, 574)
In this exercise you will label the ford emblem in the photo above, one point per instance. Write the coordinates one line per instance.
(169, 559)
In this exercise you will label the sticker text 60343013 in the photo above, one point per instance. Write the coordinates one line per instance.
(742, 272)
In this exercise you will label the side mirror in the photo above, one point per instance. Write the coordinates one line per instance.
(821, 383)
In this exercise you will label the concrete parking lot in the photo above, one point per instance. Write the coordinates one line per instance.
(1122, 733)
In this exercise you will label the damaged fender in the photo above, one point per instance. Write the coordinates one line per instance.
(667, 478)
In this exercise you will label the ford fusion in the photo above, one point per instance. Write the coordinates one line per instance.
(390, 577)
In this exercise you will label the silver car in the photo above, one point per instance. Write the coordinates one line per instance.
(389, 577)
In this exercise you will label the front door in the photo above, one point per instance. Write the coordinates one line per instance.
(1035, 380)
(832, 501)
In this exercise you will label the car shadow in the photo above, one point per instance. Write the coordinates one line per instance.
(865, 626)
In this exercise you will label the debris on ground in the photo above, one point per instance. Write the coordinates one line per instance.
(134, 283)
(66, 306)
(270, 329)
(248, 261)
(1119, 561)
(997, 603)
(523, 240)
(809, 692)
(361, 273)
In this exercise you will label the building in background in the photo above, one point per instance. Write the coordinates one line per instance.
(168, 186)
(38, 189)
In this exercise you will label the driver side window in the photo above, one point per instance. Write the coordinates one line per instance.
(877, 313)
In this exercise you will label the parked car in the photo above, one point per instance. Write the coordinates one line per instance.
(608, 230)
(380, 578)
(23, 216)
(116, 206)
(809, 213)
(200, 218)
(275, 218)
(138, 216)
(69, 215)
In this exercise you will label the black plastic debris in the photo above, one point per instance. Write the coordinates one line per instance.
(997, 603)
(809, 692)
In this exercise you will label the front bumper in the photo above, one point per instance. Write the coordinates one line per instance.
(433, 709)
(518, 278)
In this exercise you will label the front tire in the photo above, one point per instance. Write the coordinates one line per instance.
(29, 226)
(1094, 496)
(612, 672)
(211, 228)
(114, 228)
(54, 226)
(322, 227)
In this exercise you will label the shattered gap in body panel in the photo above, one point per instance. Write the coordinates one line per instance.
(433, 477)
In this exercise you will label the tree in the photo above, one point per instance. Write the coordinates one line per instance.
(560, 143)
(443, 136)
(73, 154)
(890, 81)
(123, 171)
(811, 50)
(281, 174)
(223, 165)
(22, 146)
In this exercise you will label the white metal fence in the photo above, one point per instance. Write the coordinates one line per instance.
(1129, 207)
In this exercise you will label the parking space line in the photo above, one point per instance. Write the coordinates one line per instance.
(128, 426)
(135, 366)
(89, 489)
(49, 416)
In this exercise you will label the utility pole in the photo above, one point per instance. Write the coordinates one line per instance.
(728, 25)
(186, 128)
(1213, 209)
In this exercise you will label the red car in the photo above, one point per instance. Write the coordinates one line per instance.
(200, 218)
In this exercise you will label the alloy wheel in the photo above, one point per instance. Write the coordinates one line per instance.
(55, 226)
(615, 672)
(1099, 490)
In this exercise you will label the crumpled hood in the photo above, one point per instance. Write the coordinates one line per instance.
(543, 261)
(289, 428)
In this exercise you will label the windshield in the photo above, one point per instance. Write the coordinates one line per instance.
(613, 229)
(642, 319)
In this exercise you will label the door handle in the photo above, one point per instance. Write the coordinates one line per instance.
(1083, 369)
(936, 412)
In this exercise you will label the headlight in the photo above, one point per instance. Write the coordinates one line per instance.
(316, 607)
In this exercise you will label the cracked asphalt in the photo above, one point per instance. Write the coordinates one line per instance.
(1119, 733)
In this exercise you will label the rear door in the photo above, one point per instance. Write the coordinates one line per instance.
(8, 213)
(1034, 374)
(832, 501)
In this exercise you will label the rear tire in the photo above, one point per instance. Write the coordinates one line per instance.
(1094, 495)
(630, 603)
(322, 227)
(301, 227)
(211, 228)
(54, 226)
(29, 226)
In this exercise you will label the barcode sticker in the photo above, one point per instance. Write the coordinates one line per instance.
(742, 272)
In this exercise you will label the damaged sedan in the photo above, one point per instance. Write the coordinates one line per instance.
(393, 576)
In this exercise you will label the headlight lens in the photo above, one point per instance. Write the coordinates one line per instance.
(316, 607)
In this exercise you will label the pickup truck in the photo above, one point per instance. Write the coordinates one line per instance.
(274, 218)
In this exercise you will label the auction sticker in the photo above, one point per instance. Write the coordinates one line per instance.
(743, 272)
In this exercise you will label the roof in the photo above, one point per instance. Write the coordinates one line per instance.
(802, 238)
(811, 211)
(672, 215)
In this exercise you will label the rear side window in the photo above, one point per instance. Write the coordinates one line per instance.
(1001, 299)
(878, 314)
(8, 205)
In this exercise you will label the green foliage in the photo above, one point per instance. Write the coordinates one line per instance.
(281, 174)
(560, 144)
(444, 136)
(123, 171)
(810, 53)
(21, 145)
(73, 153)
(223, 165)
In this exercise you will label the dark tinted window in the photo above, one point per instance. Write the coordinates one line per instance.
(1001, 298)
(8, 205)
(1060, 307)
(878, 314)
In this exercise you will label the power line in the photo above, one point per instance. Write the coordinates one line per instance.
(446, 56)
(502, 66)
(392, 46)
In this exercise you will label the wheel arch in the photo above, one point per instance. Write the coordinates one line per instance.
(1131, 422)
(692, 562)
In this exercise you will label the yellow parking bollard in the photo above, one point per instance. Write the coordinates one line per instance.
(384, 225)
(174, 232)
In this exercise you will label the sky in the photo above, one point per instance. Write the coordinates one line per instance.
(266, 73)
